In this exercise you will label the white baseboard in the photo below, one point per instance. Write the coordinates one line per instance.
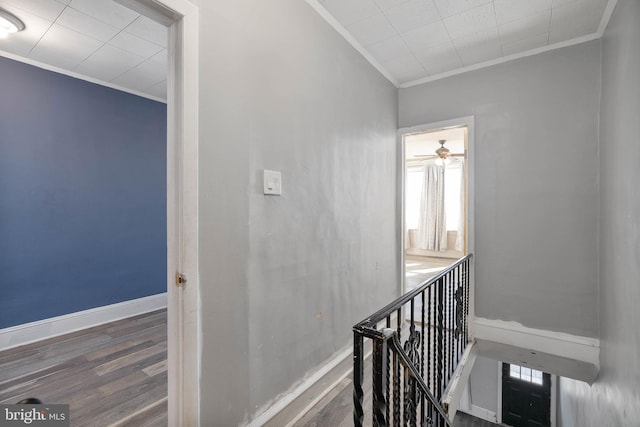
(483, 414)
(286, 399)
(15, 336)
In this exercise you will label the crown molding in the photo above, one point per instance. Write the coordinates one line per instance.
(78, 76)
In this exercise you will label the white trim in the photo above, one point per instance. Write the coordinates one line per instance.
(456, 387)
(69, 73)
(554, 400)
(401, 177)
(499, 406)
(606, 16)
(559, 45)
(575, 347)
(482, 413)
(184, 311)
(350, 39)
(286, 399)
(16, 336)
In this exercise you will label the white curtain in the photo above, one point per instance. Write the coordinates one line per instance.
(432, 226)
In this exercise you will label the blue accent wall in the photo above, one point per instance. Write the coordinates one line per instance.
(82, 195)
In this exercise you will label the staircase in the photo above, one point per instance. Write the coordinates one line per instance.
(422, 354)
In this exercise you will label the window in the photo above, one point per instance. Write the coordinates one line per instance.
(526, 374)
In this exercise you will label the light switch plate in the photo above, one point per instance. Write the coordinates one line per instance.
(272, 182)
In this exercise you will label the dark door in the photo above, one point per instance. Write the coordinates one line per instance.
(526, 397)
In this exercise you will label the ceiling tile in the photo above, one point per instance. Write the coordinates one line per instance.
(471, 21)
(405, 68)
(412, 14)
(107, 11)
(453, 7)
(47, 9)
(429, 35)
(439, 58)
(351, 11)
(108, 62)
(476, 40)
(142, 77)
(64, 48)
(372, 30)
(511, 10)
(87, 25)
(161, 58)
(388, 4)
(532, 25)
(135, 44)
(525, 44)
(389, 49)
(481, 53)
(21, 43)
(556, 3)
(576, 19)
(149, 30)
(479, 47)
(158, 90)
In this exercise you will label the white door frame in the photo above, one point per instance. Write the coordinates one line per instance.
(469, 122)
(183, 358)
(183, 323)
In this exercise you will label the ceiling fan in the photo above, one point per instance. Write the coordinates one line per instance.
(442, 153)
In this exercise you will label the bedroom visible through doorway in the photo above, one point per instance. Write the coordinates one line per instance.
(435, 201)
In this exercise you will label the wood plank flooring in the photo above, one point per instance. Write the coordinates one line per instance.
(336, 408)
(110, 375)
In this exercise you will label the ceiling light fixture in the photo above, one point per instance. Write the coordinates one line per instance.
(9, 23)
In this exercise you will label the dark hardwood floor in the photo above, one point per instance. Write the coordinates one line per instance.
(110, 375)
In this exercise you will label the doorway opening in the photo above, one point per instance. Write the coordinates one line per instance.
(435, 203)
(179, 249)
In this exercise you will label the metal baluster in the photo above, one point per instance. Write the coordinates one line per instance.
(452, 359)
(379, 379)
(440, 337)
(396, 373)
(388, 390)
(429, 331)
(466, 303)
(358, 375)
(422, 397)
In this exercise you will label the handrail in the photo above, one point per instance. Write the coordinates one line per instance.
(404, 359)
(381, 314)
(413, 362)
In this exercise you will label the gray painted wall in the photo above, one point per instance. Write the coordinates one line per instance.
(283, 279)
(614, 399)
(535, 182)
(483, 384)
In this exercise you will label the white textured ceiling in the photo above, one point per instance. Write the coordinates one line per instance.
(99, 39)
(414, 40)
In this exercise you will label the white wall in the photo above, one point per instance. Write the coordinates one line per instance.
(283, 279)
(535, 182)
(614, 399)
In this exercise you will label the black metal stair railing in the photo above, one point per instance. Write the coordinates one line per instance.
(414, 360)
